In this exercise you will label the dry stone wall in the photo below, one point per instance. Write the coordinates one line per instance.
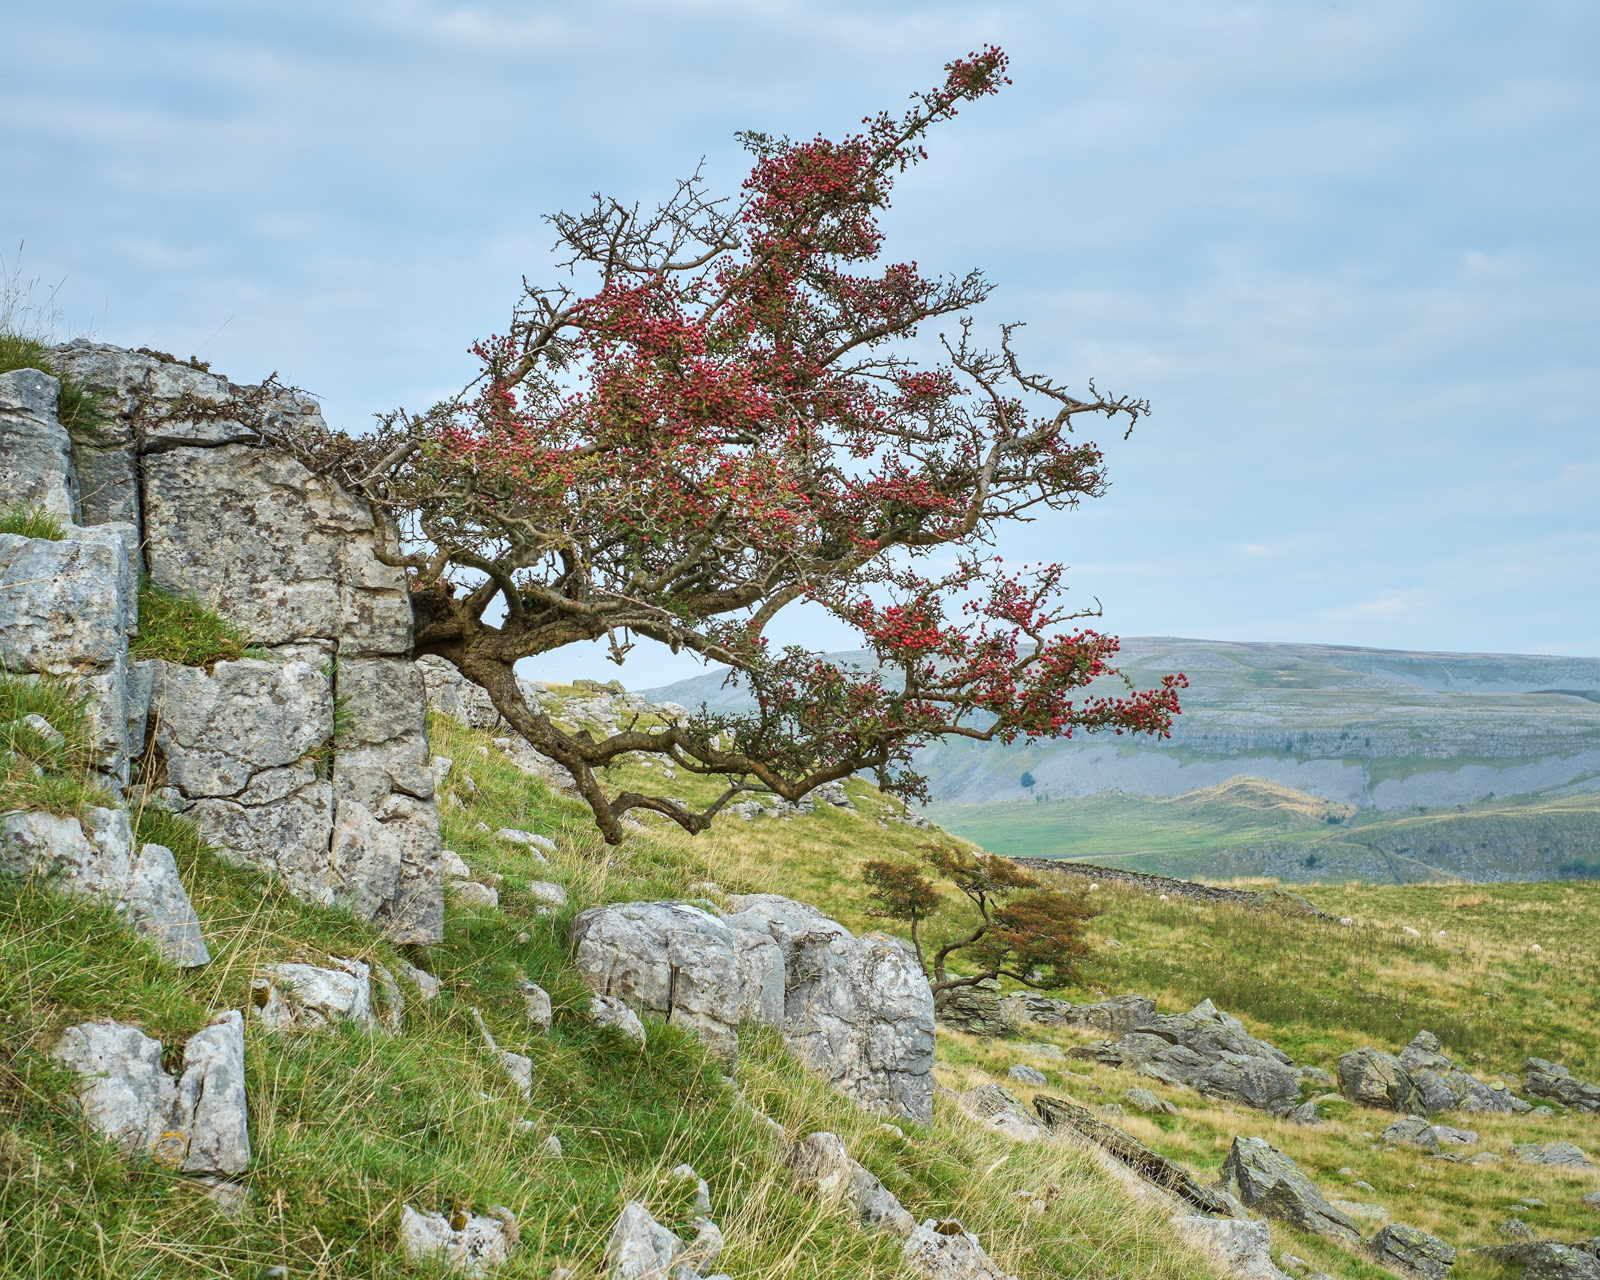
(175, 480)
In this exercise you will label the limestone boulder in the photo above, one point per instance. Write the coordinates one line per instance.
(1444, 1086)
(310, 997)
(676, 961)
(35, 450)
(94, 856)
(1265, 1179)
(1562, 1155)
(1549, 1259)
(1377, 1079)
(946, 1250)
(821, 1163)
(1412, 1252)
(978, 1010)
(609, 1011)
(468, 1243)
(198, 1122)
(1001, 1111)
(857, 1010)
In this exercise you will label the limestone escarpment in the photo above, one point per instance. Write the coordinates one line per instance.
(174, 479)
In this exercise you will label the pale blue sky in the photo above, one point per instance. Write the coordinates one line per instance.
(1349, 249)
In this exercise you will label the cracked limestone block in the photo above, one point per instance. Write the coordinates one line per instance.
(313, 996)
(676, 961)
(284, 554)
(94, 856)
(198, 1122)
(35, 461)
(466, 1242)
(383, 765)
(66, 609)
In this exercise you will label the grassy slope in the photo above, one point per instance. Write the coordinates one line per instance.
(349, 1126)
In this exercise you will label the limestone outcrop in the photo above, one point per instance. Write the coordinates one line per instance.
(469, 1243)
(1546, 1079)
(177, 479)
(1265, 1179)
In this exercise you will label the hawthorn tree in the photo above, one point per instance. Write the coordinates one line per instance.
(713, 415)
(1021, 930)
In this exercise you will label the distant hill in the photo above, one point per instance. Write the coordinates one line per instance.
(1377, 733)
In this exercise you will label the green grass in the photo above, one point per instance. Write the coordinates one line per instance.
(349, 1126)
(32, 522)
(39, 771)
(79, 408)
(183, 629)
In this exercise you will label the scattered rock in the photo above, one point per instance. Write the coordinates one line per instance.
(426, 984)
(1516, 1229)
(1024, 1074)
(1377, 1079)
(1263, 1178)
(1592, 1199)
(1316, 1075)
(518, 1068)
(1445, 1086)
(536, 1006)
(1211, 1052)
(1306, 1113)
(1414, 1252)
(1003, 1113)
(470, 1244)
(309, 997)
(1412, 1131)
(822, 1163)
(1545, 1079)
(394, 1000)
(552, 1146)
(608, 1011)
(1549, 1259)
(977, 1010)
(945, 1250)
(547, 895)
(1049, 1052)
(641, 1248)
(1143, 1100)
(198, 1123)
(532, 839)
(474, 895)
(1241, 1249)
(702, 1192)
(1563, 1155)
(1485, 1158)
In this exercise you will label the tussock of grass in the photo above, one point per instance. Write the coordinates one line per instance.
(79, 408)
(38, 771)
(32, 522)
(183, 629)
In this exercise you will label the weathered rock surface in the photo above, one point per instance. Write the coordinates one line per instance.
(1243, 1250)
(94, 857)
(198, 1123)
(1413, 1252)
(1265, 1179)
(1445, 1086)
(1024, 1074)
(1002, 1112)
(978, 1010)
(641, 1248)
(1564, 1155)
(66, 609)
(857, 1010)
(945, 1250)
(1550, 1259)
(1209, 1051)
(311, 996)
(35, 463)
(1546, 1079)
(518, 1067)
(683, 964)
(1116, 1016)
(609, 1011)
(1377, 1079)
(822, 1163)
(474, 1247)
(1149, 1103)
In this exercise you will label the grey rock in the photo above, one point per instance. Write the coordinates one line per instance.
(1412, 1131)
(1143, 1100)
(821, 1163)
(1116, 1016)
(1377, 1079)
(475, 895)
(641, 1248)
(948, 1251)
(1306, 1113)
(1516, 1229)
(94, 857)
(1372, 1215)
(1209, 1051)
(674, 960)
(977, 1010)
(1003, 1113)
(284, 554)
(426, 984)
(474, 1248)
(198, 1123)
(394, 1000)
(1448, 1136)
(548, 895)
(608, 1011)
(1563, 1155)
(212, 1109)
(1592, 1199)
(1444, 1086)
(1317, 1076)
(35, 462)
(1413, 1252)
(310, 997)
(513, 836)
(66, 609)
(1243, 1250)
(857, 1010)
(1549, 1259)
(702, 1192)
(450, 693)
(536, 1006)
(1545, 1079)
(1027, 1075)
(1265, 1179)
